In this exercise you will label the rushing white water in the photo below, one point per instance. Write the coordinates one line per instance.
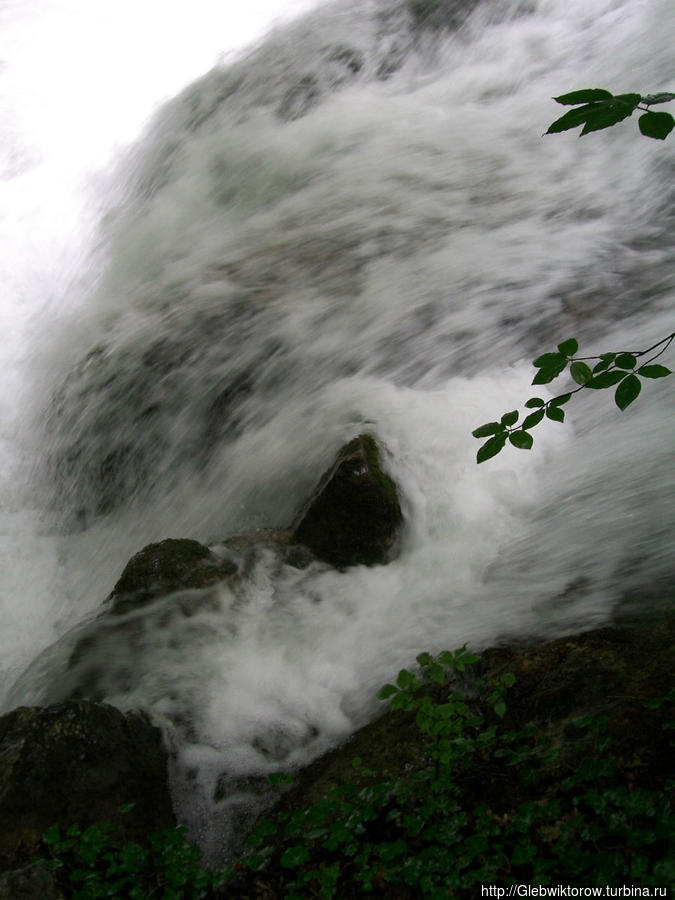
(358, 227)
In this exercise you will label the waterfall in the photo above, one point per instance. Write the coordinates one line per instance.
(355, 226)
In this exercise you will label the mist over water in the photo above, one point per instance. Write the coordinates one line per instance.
(357, 227)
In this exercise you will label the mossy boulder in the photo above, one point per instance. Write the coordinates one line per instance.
(78, 762)
(612, 671)
(354, 515)
(163, 568)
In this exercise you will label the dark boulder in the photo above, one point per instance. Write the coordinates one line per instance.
(354, 515)
(163, 568)
(78, 762)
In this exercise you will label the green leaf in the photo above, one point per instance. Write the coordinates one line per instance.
(404, 679)
(534, 402)
(521, 439)
(654, 371)
(548, 360)
(573, 118)
(612, 112)
(533, 419)
(556, 414)
(424, 659)
(52, 835)
(627, 391)
(548, 373)
(625, 361)
(584, 96)
(656, 125)
(510, 418)
(488, 429)
(491, 448)
(605, 380)
(559, 401)
(650, 99)
(606, 360)
(387, 691)
(580, 372)
(294, 857)
(568, 348)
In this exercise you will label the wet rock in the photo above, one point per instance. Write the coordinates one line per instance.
(163, 568)
(78, 762)
(354, 515)
(614, 671)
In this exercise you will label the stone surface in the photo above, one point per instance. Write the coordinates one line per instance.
(78, 762)
(163, 568)
(354, 515)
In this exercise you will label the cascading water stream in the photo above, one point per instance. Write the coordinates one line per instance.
(359, 226)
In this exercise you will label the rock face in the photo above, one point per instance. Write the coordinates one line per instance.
(354, 515)
(171, 565)
(77, 762)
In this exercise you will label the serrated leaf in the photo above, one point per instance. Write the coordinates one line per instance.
(568, 348)
(521, 439)
(533, 419)
(555, 413)
(584, 96)
(580, 372)
(611, 112)
(627, 391)
(488, 429)
(654, 371)
(656, 125)
(625, 361)
(534, 403)
(491, 448)
(664, 97)
(510, 418)
(605, 380)
(559, 401)
(573, 118)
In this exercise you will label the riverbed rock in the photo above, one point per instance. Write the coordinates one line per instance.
(354, 514)
(78, 763)
(166, 567)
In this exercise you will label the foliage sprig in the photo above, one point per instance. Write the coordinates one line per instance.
(620, 370)
(597, 109)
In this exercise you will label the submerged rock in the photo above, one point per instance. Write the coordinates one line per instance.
(78, 762)
(354, 515)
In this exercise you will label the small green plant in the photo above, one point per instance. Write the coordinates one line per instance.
(98, 861)
(487, 805)
(597, 109)
(484, 804)
(621, 370)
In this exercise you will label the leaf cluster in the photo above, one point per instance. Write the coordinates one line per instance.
(619, 370)
(596, 109)
(97, 861)
(431, 832)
